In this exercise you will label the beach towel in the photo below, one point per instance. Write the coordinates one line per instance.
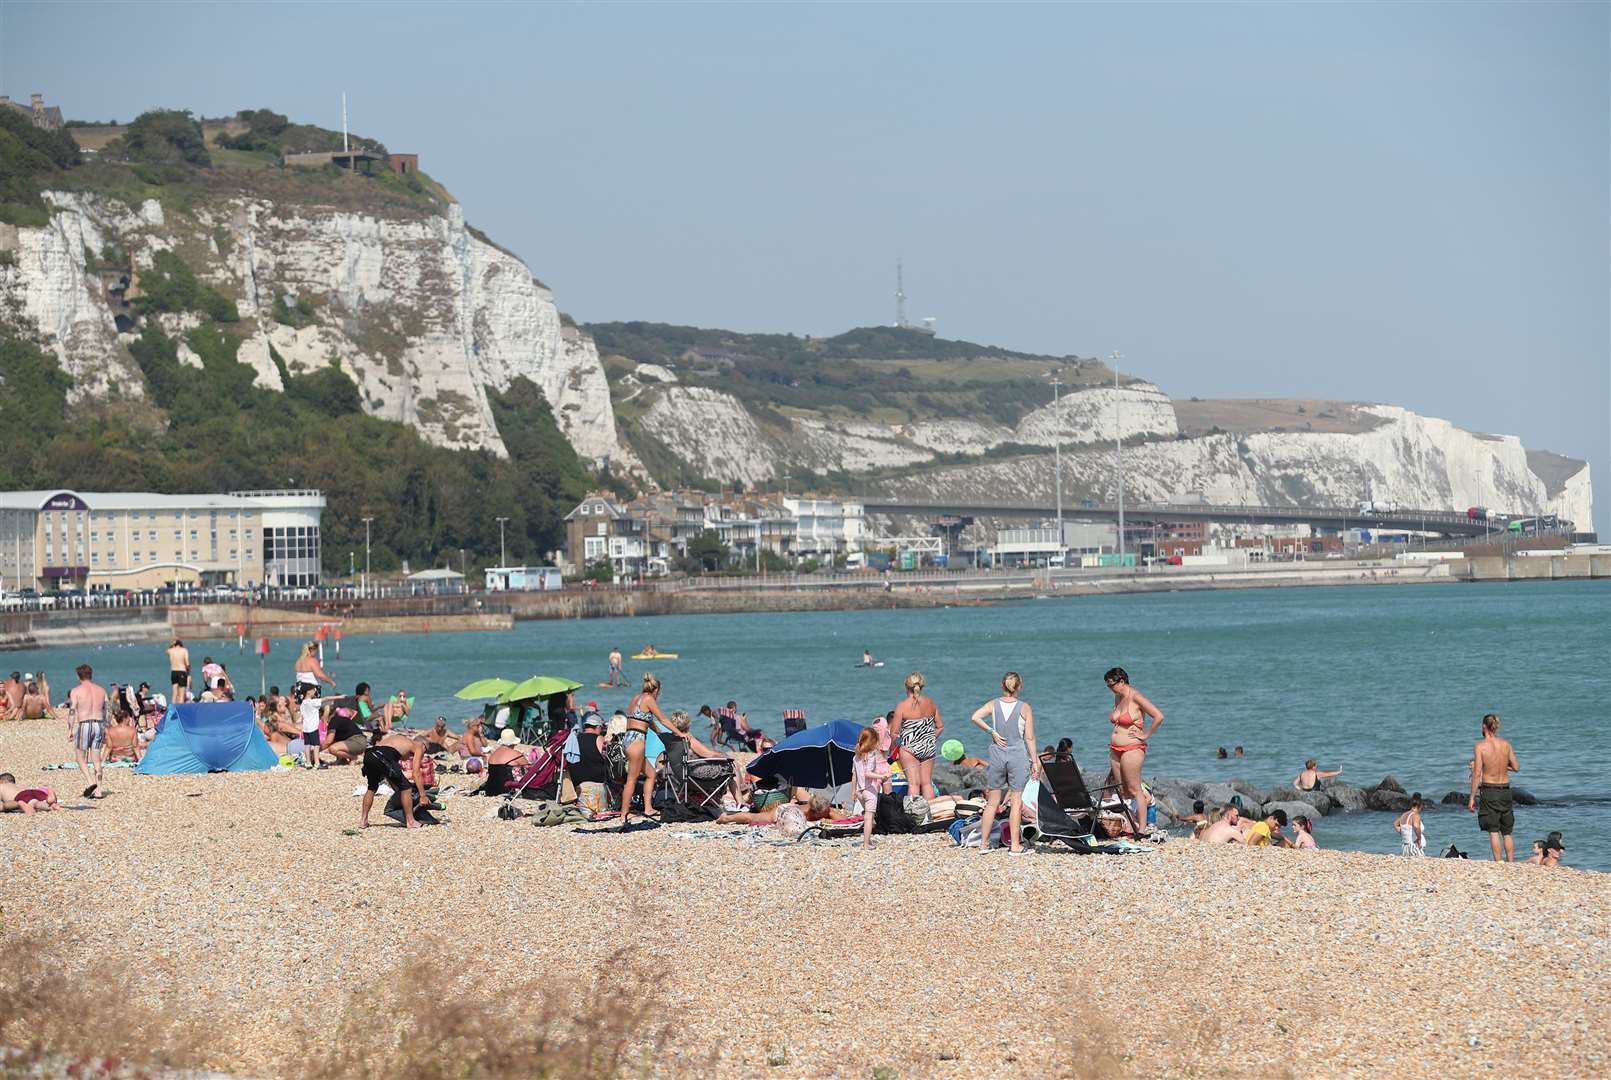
(120, 764)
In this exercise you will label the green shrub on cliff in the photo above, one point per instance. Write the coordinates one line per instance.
(162, 137)
(171, 286)
(33, 397)
(29, 159)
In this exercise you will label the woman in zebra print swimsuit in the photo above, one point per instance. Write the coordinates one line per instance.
(916, 729)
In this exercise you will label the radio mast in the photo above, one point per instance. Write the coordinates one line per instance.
(900, 298)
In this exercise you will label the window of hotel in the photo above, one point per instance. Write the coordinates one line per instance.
(94, 558)
(151, 535)
(95, 537)
(192, 535)
(233, 554)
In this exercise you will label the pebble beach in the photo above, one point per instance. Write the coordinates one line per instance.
(249, 899)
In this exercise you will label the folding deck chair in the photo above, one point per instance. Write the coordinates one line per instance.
(794, 722)
(1074, 800)
(696, 781)
(727, 733)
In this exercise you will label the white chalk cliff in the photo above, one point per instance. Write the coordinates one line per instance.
(1408, 459)
(424, 315)
(427, 318)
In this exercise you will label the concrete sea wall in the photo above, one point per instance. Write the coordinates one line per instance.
(45, 629)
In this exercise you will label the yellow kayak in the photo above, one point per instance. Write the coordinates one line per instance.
(654, 656)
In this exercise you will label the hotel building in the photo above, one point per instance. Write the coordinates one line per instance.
(138, 540)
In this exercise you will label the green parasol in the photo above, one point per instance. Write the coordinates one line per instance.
(538, 686)
(484, 688)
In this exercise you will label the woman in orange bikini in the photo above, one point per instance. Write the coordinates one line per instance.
(1127, 748)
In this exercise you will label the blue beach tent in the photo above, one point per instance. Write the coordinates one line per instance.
(200, 738)
(819, 757)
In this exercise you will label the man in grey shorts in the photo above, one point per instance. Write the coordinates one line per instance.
(87, 728)
(1010, 766)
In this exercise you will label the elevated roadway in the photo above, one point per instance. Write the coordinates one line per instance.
(1447, 522)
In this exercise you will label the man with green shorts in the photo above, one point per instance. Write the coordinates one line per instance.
(1491, 765)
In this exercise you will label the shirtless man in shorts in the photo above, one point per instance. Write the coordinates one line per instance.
(1227, 830)
(86, 713)
(1491, 766)
(178, 671)
(383, 763)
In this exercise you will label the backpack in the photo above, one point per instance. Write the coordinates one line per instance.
(917, 808)
(615, 757)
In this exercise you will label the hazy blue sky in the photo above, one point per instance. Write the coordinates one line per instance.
(1394, 202)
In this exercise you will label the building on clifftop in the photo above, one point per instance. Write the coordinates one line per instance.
(48, 117)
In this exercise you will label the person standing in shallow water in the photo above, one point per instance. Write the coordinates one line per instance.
(1127, 747)
(1491, 765)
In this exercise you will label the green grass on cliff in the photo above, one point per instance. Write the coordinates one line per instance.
(885, 373)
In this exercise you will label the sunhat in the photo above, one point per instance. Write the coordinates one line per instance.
(507, 737)
(951, 750)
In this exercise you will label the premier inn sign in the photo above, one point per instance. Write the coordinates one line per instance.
(65, 500)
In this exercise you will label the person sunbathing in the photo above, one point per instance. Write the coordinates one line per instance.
(123, 739)
(755, 738)
(472, 746)
(439, 740)
(34, 705)
(14, 796)
(505, 758)
(1227, 830)
(280, 730)
(816, 807)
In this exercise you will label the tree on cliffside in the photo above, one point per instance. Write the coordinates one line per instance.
(162, 137)
(29, 157)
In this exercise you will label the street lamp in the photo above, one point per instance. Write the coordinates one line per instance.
(502, 560)
(1057, 455)
(367, 522)
(1118, 451)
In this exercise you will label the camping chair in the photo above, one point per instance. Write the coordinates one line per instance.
(727, 733)
(794, 722)
(696, 781)
(1074, 799)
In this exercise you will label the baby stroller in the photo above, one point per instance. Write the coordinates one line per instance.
(540, 777)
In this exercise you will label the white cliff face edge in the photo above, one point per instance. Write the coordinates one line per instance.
(427, 318)
(1412, 460)
(423, 315)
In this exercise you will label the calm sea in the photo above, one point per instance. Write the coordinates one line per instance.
(1372, 680)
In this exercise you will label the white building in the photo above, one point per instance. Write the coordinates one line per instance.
(826, 527)
(58, 539)
(524, 578)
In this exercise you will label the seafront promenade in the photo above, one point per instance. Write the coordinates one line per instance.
(726, 595)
